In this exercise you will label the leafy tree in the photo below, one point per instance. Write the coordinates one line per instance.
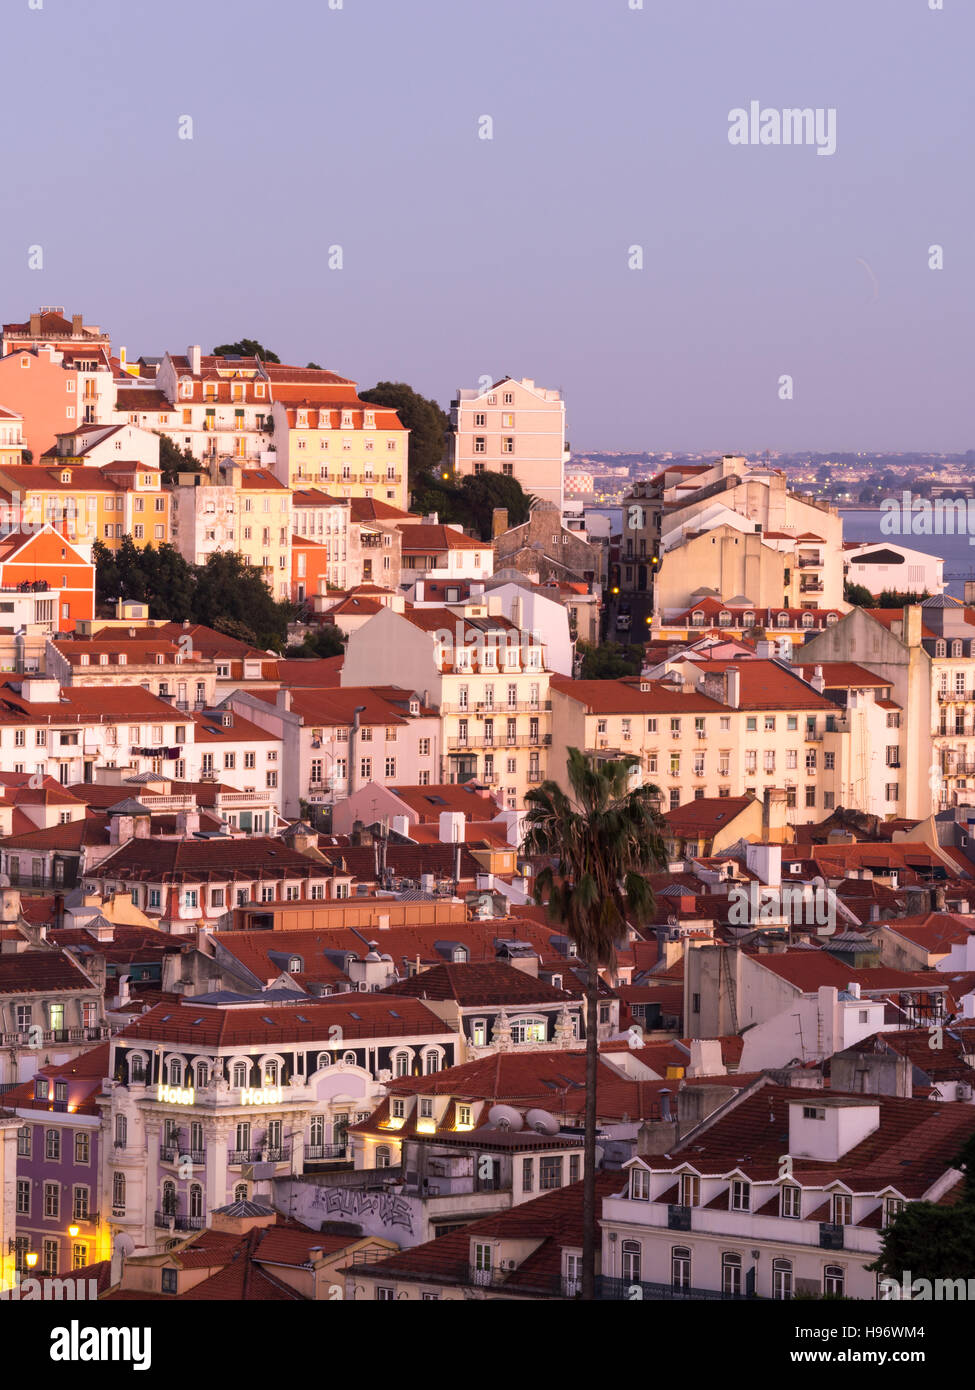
(247, 347)
(173, 460)
(857, 594)
(601, 838)
(227, 587)
(609, 661)
(314, 367)
(329, 640)
(932, 1241)
(472, 503)
(424, 419)
(894, 598)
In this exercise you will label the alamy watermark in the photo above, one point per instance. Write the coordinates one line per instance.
(793, 125)
(791, 905)
(910, 515)
(911, 1290)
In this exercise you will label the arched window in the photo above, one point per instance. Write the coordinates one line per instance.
(175, 1072)
(169, 1198)
(781, 1278)
(240, 1073)
(137, 1068)
(807, 620)
(202, 1074)
(240, 1192)
(730, 1273)
(382, 1156)
(121, 1131)
(432, 1061)
(272, 1071)
(348, 1058)
(940, 648)
(782, 620)
(316, 1131)
(833, 1280)
(749, 618)
(295, 963)
(632, 1263)
(401, 1064)
(956, 648)
(324, 1059)
(680, 1267)
(724, 618)
(697, 618)
(196, 1199)
(118, 1192)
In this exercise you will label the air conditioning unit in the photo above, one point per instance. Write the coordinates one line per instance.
(508, 1264)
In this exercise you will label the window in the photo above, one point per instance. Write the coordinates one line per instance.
(639, 1185)
(118, 1193)
(23, 1197)
(731, 1274)
(833, 1280)
(741, 1193)
(550, 1173)
(680, 1267)
(82, 1147)
(690, 1190)
(842, 1209)
(121, 1131)
(170, 1283)
(781, 1279)
(527, 1174)
(631, 1261)
(52, 1199)
(51, 1256)
(79, 1203)
(52, 1145)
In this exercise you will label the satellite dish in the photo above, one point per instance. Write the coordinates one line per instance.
(123, 1244)
(505, 1117)
(542, 1122)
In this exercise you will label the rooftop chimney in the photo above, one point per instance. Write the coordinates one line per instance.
(499, 522)
(818, 683)
(195, 356)
(732, 687)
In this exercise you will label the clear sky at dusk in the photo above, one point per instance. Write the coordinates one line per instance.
(465, 257)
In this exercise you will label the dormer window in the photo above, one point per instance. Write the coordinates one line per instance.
(749, 618)
(460, 954)
(741, 1195)
(724, 619)
(782, 620)
(65, 476)
(807, 620)
(295, 963)
(697, 618)
(940, 648)
(426, 1108)
(398, 1109)
(790, 1204)
(639, 1185)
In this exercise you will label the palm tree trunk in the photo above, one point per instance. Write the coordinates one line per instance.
(589, 1232)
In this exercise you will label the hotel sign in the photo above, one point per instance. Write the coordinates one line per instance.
(175, 1095)
(267, 1095)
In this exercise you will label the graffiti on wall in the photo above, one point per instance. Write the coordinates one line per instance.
(349, 1203)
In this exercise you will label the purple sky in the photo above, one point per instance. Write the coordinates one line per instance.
(466, 257)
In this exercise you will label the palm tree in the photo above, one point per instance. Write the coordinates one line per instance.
(602, 838)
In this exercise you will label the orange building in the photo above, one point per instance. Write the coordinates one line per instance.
(309, 568)
(55, 391)
(47, 558)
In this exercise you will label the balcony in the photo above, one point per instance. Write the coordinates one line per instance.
(282, 1154)
(316, 1153)
(810, 562)
(175, 1153)
(811, 586)
(607, 1288)
(501, 741)
(176, 1221)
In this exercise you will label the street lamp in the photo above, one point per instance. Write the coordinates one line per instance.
(30, 1259)
(73, 1231)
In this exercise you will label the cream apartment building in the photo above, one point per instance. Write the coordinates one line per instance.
(347, 447)
(488, 678)
(242, 510)
(515, 428)
(713, 729)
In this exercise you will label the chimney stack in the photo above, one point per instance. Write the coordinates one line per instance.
(499, 522)
(76, 323)
(732, 687)
(818, 682)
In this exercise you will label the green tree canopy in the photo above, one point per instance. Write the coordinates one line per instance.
(424, 419)
(173, 460)
(226, 593)
(858, 595)
(472, 503)
(329, 640)
(247, 347)
(609, 661)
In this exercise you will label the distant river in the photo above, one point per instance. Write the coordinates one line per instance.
(958, 555)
